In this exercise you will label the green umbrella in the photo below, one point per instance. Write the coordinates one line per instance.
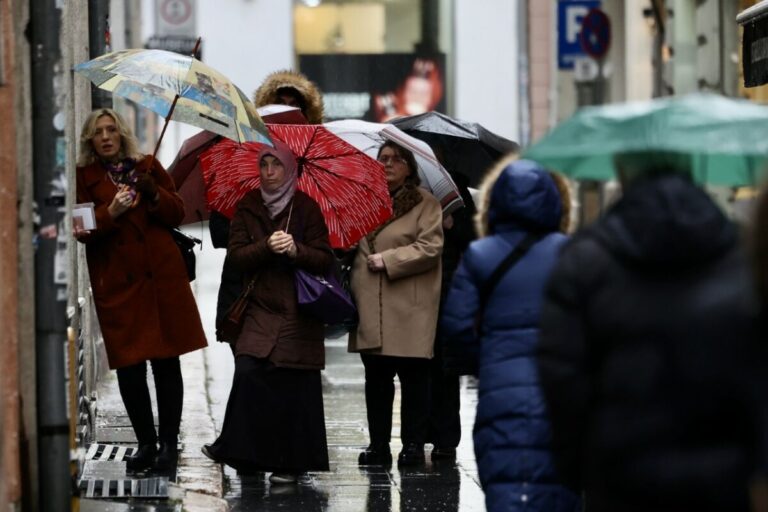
(726, 139)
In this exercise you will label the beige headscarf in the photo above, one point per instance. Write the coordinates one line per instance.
(277, 201)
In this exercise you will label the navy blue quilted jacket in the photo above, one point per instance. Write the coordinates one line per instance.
(512, 433)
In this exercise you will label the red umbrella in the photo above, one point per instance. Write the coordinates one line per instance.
(281, 114)
(188, 178)
(349, 186)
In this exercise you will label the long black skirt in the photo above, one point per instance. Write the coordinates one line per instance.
(274, 420)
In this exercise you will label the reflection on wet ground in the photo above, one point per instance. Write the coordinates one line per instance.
(436, 486)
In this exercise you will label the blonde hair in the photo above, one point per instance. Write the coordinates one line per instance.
(129, 145)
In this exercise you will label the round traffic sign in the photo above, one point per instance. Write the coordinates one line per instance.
(595, 35)
(175, 12)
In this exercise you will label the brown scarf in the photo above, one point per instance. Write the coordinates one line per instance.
(404, 201)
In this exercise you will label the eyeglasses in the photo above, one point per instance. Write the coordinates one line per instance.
(391, 158)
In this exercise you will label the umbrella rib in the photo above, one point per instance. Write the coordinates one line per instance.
(363, 185)
(330, 204)
(338, 155)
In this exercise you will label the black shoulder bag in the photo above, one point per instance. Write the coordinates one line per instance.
(186, 245)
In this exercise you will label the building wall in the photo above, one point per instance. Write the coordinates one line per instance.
(10, 429)
(542, 57)
(485, 60)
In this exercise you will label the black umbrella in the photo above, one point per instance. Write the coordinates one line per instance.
(463, 147)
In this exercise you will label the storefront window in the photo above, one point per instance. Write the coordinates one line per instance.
(376, 59)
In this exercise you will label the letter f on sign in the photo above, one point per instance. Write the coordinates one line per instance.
(573, 19)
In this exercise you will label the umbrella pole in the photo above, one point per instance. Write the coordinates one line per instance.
(170, 113)
(162, 133)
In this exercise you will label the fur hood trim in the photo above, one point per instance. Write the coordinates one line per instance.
(266, 94)
(486, 185)
(489, 180)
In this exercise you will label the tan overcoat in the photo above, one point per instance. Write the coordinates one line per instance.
(143, 300)
(398, 308)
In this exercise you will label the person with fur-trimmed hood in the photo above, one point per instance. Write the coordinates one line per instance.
(521, 204)
(291, 88)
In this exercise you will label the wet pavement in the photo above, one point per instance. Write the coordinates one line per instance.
(197, 484)
(437, 486)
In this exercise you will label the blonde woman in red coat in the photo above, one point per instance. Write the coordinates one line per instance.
(143, 300)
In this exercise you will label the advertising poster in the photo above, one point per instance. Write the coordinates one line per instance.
(377, 87)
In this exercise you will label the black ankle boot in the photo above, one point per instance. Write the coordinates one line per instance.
(142, 459)
(412, 455)
(168, 456)
(375, 456)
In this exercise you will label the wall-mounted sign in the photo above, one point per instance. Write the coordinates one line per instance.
(570, 15)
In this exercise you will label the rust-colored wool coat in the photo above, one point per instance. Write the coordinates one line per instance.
(140, 287)
(273, 327)
(398, 307)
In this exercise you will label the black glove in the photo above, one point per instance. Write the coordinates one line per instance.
(145, 184)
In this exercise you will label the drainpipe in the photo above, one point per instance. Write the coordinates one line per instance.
(50, 302)
(98, 27)
(524, 75)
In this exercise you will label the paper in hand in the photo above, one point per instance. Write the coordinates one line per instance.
(83, 216)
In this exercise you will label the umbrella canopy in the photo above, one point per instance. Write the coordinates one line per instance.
(188, 176)
(467, 148)
(349, 186)
(281, 114)
(726, 138)
(368, 138)
(166, 82)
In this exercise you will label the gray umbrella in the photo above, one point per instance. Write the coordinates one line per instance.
(463, 147)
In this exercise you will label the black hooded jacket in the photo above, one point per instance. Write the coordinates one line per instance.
(649, 356)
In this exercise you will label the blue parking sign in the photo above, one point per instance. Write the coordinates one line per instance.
(570, 14)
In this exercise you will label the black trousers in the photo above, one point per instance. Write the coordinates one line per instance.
(169, 387)
(444, 428)
(380, 373)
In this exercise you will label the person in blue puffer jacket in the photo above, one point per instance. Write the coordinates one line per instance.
(512, 432)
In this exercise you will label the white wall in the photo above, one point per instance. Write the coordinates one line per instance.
(486, 78)
(243, 39)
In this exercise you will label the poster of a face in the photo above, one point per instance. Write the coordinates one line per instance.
(377, 87)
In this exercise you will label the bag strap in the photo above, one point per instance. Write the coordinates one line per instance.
(290, 212)
(486, 289)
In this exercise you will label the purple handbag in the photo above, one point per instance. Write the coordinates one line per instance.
(324, 298)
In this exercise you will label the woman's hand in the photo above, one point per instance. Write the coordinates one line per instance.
(79, 232)
(281, 242)
(121, 202)
(146, 186)
(376, 262)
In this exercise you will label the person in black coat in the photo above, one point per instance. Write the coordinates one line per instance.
(231, 279)
(649, 355)
(444, 429)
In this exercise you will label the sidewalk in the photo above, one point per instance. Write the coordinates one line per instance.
(196, 485)
(200, 485)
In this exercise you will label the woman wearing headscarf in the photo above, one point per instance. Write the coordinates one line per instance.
(522, 205)
(396, 284)
(140, 286)
(274, 419)
(283, 88)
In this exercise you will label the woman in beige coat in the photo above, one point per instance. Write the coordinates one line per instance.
(396, 284)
